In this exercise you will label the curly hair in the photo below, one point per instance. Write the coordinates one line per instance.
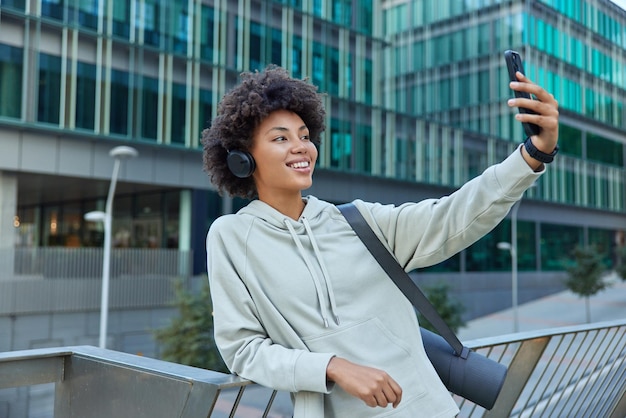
(243, 108)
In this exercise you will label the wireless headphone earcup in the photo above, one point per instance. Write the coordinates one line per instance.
(240, 163)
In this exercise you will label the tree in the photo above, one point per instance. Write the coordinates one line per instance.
(585, 274)
(449, 309)
(188, 339)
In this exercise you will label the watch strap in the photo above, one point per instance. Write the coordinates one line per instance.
(539, 155)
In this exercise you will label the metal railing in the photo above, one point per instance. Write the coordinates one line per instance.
(86, 263)
(576, 371)
(69, 279)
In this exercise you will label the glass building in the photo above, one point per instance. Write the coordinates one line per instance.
(416, 106)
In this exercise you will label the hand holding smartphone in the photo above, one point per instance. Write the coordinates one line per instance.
(514, 64)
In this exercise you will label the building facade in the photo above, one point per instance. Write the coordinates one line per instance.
(416, 100)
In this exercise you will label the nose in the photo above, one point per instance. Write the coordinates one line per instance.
(299, 147)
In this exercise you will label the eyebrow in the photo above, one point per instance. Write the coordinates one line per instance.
(283, 129)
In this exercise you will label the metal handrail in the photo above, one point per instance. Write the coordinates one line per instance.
(561, 372)
(570, 371)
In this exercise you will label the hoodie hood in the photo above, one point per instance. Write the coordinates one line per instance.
(312, 210)
(301, 232)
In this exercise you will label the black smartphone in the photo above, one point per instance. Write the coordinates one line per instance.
(513, 64)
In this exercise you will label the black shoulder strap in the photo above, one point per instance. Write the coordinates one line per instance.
(398, 275)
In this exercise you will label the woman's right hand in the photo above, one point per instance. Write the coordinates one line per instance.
(373, 386)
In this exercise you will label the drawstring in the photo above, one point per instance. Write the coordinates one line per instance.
(316, 281)
(329, 288)
(318, 286)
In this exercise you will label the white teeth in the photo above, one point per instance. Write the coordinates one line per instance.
(303, 164)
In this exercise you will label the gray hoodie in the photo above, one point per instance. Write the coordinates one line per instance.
(290, 294)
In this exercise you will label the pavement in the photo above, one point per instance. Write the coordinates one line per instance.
(554, 311)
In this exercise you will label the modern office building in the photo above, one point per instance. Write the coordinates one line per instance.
(416, 99)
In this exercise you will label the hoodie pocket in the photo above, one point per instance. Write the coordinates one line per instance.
(369, 343)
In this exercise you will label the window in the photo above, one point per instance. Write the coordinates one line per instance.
(11, 59)
(296, 57)
(178, 130)
(484, 255)
(318, 66)
(364, 16)
(341, 144)
(570, 140)
(363, 149)
(179, 26)
(88, 13)
(15, 4)
(149, 95)
(277, 46)
(604, 150)
(118, 113)
(206, 37)
(121, 18)
(206, 108)
(52, 8)
(557, 244)
(603, 240)
(148, 18)
(257, 38)
(85, 95)
(48, 105)
(342, 12)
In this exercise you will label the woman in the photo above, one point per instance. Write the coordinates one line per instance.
(299, 303)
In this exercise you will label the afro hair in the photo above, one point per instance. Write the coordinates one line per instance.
(243, 108)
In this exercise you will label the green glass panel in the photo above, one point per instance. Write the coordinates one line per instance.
(570, 140)
(49, 92)
(206, 33)
(149, 97)
(52, 9)
(257, 39)
(85, 95)
(11, 64)
(118, 112)
(605, 242)
(604, 150)
(484, 255)
(363, 149)
(178, 131)
(121, 18)
(151, 22)
(14, 4)
(557, 244)
(206, 109)
(341, 144)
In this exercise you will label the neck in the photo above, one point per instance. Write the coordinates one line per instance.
(291, 206)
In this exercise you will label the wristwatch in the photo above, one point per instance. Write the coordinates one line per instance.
(539, 155)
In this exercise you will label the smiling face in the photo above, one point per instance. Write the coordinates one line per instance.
(285, 156)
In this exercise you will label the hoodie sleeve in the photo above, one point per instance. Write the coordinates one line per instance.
(430, 231)
(240, 335)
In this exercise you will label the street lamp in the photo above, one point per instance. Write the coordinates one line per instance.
(118, 153)
(512, 248)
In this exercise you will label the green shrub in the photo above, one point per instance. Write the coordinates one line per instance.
(188, 339)
(449, 309)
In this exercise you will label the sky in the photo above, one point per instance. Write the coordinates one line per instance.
(620, 3)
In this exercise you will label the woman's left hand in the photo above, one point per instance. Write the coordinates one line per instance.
(547, 116)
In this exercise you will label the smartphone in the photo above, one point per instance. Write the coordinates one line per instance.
(513, 64)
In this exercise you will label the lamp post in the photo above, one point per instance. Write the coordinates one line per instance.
(512, 248)
(118, 153)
